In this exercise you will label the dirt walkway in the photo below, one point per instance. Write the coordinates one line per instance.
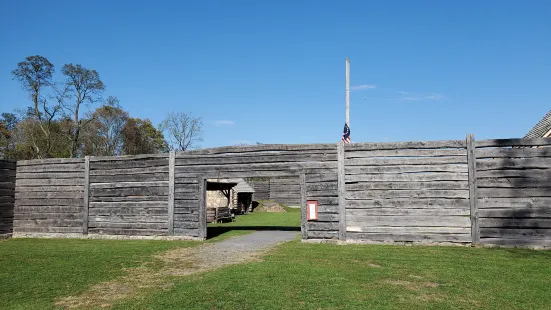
(178, 262)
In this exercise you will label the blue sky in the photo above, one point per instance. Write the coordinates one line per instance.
(274, 71)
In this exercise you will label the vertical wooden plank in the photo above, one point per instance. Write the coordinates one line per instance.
(86, 203)
(171, 164)
(303, 200)
(202, 208)
(341, 189)
(473, 197)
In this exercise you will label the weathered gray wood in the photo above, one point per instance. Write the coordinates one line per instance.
(147, 226)
(473, 190)
(51, 168)
(407, 185)
(48, 195)
(341, 190)
(328, 217)
(541, 174)
(215, 168)
(515, 223)
(127, 232)
(260, 159)
(303, 215)
(129, 185)
(43, 188)
(49, 229)
(322, 234)
(130, 218)
(130, 191)
(513, 153)
(186, 232)
(48, 222)
(513, 192)
(514, 183)
(192, 217)
(260, 148)
(322, 186)
(411, 230)
(513, 163)
(392, 194)
(129, 164)
(407, 177)
(515, 203)
(405, 153)
(148, 177)
(49, 161)
(72, 216)
(513, 142)
(316, 178)
(86, 201)
(544, 242)
(52, 182)
(324, 193)
(456, 168)
(161, 199)
(400, 161)
(129, 157)
(409, 203)
(171, 161)
(445, 144)
(50, 175)
(251, 173)
(128, 211)
(416, 212)
(512, 233)
(49, 202)
(409, 220)
(185, 196)
(322, 226)
(325, 201)
(409, 237)
(150, 170)
(201, 194)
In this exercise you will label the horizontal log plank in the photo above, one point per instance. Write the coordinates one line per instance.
(513, 163)
(128, 211)
(51, 168)
(513, 192)
(426, 177)
(189, 232)
(515, 203)
(261, 148)
(50, 175)
(402, 169)
(237, 174)
(392, 194)
(321, 186)
(48, 209)
(105, 165)
(322, 226)
(49, 161)
(123, 158)
(407, 185)
(513, 233)
(513, 142)
(49, 229)
(49, 195)
(325, 201)
(517, 242)
(129, 191)
(406, 153)
(408, 220)
(130, 218)
(443, 144)
(227, 160)
(190, 217)
(50, 202)
(416, 203)
(127, 232)
(381, 237)
(513, 153)
(186, 196)
(129, 184)
(514, 223)
(53, 182)
(131, 171)
(65, 189)
(147, 177)
(147, 226)
(324, 234)
(399, 212)
(316, 178)
(410, 230)
(400, 161)
(129, 199)
(41, 215)
(541, 174)
(514, 183)
(48, 223)
(260, 166)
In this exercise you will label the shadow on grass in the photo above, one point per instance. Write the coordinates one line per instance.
(217, 231)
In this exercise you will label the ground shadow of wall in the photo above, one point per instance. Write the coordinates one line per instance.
(7, 197)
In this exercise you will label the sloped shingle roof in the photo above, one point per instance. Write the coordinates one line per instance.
(240, 187)
(541, 128)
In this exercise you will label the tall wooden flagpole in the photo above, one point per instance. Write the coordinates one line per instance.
(348, 92)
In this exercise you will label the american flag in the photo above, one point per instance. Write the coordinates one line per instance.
(346, 134)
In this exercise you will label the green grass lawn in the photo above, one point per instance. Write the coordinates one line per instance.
(324, 276)
(33, 272)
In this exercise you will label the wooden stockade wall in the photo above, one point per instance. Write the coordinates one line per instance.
(317, 162)
(285, 190)
(460, 191)
(7, 196)
(129, 195)
(261, 189)
(49, 196)
(513, 182)
(407, 192)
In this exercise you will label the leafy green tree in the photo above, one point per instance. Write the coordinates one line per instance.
(141, 137)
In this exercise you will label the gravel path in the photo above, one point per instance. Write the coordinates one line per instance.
(178, 262)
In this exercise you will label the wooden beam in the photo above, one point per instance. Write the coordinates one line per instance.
(86, 195)
(473, 197)
(303, 200)
(202, 208)
(171, 161)
(341, 191)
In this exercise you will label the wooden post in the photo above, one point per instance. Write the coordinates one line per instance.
(473, 197)
(348, 91)
(342, 191)
(303, 200)
(202, 212)
(86, 203)
(171, 165)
